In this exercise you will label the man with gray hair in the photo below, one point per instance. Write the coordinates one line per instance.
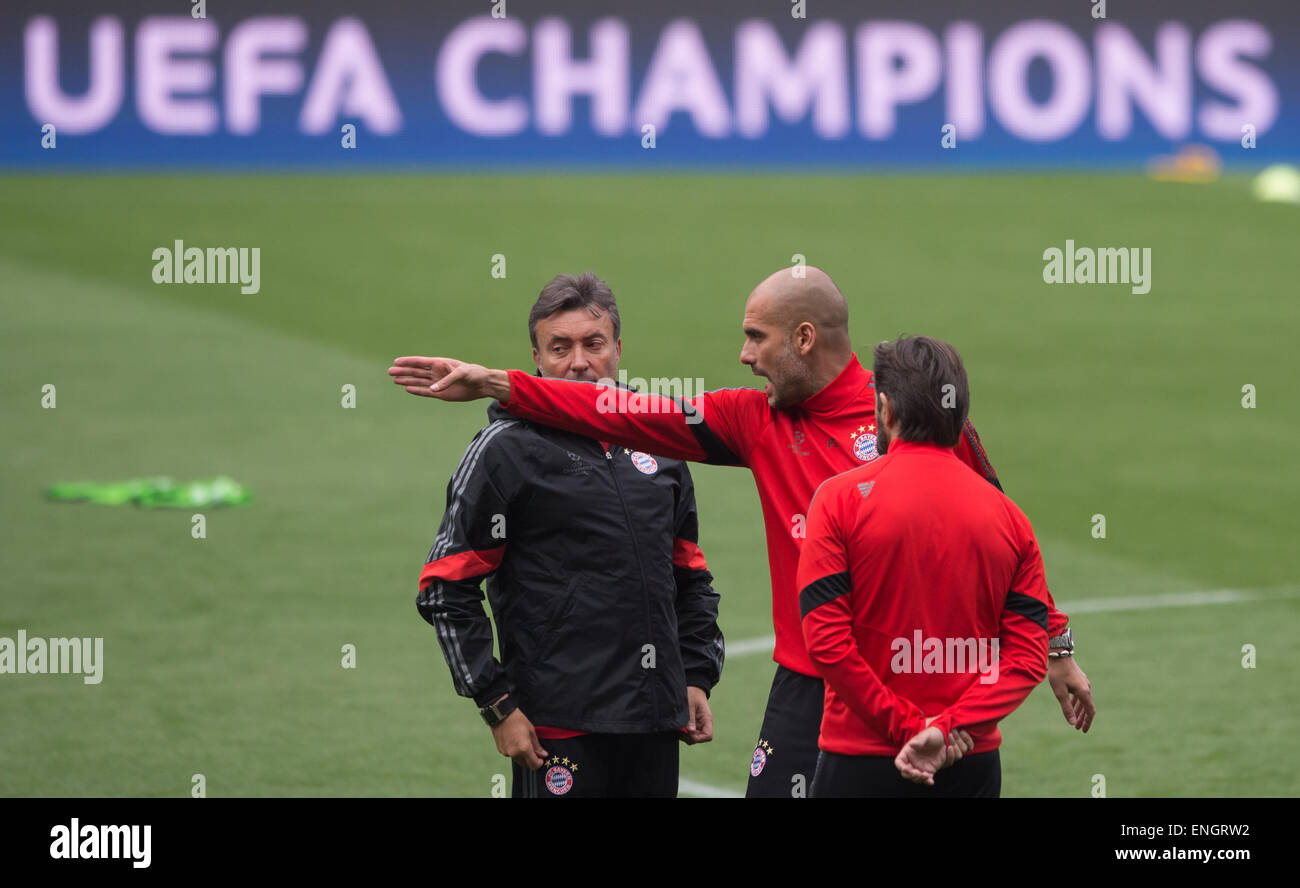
(605, 614)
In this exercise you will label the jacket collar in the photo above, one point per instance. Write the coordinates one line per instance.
(897, 446)
(846, 387)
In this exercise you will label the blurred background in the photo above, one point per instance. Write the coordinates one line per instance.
(411, 178)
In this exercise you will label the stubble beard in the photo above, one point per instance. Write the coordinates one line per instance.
(796, 386)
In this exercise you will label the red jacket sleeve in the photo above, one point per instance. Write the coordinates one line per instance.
(1022, 646)
(970, 450)
(714, 427)
(826, 606)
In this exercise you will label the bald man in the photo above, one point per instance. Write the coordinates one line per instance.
(800, 328)
(814, 419)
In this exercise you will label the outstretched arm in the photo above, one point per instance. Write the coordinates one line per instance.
(448, 379)
(714, 427)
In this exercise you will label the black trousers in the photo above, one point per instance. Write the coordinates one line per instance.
(785, 757)
(875, 777)
(603, 766)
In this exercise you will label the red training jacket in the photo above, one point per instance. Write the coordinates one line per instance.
(922, 595)
(790, 451)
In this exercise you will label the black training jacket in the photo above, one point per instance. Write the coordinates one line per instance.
(603, 602)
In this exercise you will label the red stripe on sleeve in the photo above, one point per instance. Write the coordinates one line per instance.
(547, 733)
(688, 555)
(463, 565)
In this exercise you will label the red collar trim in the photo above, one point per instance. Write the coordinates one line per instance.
(846, 387)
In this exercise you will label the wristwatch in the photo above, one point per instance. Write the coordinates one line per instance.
(1062, 645)
(495, 713)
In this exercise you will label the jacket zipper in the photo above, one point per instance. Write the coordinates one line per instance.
(636, 549)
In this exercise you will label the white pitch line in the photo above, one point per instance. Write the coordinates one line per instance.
(762, 645)
(1093, 606)
(705, 791)
(1171, 599)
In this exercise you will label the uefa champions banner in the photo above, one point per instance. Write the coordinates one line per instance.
(797, 84)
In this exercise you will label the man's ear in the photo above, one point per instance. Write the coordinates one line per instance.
(537, 356)
(805, 335)
(884, 410)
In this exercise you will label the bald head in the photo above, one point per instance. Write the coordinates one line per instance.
(788, 301)
(796, 333)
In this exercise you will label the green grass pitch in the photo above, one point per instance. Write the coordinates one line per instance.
(222, 656)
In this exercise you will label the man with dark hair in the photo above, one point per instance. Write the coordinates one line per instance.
(566, 293)
(923, 600)
(605, 614)
(927, 386)
(815, 418)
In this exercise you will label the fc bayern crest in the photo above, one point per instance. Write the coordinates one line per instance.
(758, 763)
(559, 780)
(864, 447)
(644, 462)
